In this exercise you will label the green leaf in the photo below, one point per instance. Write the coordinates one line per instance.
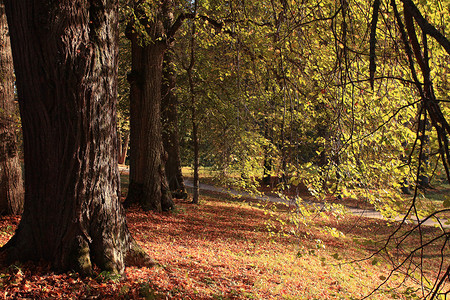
(446, 203)
(374, 261)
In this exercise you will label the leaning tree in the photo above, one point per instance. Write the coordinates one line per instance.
(65, 56)
(11, 184)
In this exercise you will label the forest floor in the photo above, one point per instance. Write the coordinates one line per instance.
(228, 249)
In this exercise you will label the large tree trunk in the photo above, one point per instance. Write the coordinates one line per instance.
(11, 184)
(65, 56)
(169, 117)
(148, 182)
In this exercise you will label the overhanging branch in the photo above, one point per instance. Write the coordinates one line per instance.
(426, 26)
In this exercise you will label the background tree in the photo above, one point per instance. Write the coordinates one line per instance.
(222, 110)
(148, 27)
(11, 184)
(290, 83)
(170, 124)
(123, 89)
(66, 70)
(193, 105)
(422, 42)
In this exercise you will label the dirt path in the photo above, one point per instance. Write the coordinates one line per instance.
(367, 213)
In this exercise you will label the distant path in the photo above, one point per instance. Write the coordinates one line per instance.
(367, 213)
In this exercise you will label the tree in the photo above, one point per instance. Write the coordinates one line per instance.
(148, 182)
(301, 73)
(123, 103)
(194, 118)
(170, 135)
(66, 70)
(11, 184)
(423, 44)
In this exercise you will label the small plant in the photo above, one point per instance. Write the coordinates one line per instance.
(178, 210)
(8, 230)
(147, 292)
(107, 276)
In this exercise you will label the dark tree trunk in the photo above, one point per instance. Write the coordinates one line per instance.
(267, 170)
(190, 68)
(65, 56)
(11, 184)
(195, 139)
(148, 182)
(169, 117)
(424, 129)
(196, 189)
(268, 162)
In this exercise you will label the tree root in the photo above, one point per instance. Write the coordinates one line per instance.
(137, 257)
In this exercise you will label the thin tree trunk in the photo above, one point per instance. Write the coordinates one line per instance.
(66, 76)
(11, 184)
(169, 117)
(196, 191)
(424, 129)
(124, 149)
(195, 139)
(268, 161)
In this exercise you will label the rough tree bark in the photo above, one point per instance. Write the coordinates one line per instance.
(11, 184)
(169, 118)
(148, 182)
(65, 57)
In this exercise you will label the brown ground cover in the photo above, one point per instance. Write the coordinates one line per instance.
(223, 249)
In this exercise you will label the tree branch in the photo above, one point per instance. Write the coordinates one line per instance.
(219, 25)
(425, 25)
(373, 41)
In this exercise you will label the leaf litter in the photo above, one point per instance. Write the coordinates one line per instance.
(217, 250)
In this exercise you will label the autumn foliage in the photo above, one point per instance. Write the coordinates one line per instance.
(222, 249)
